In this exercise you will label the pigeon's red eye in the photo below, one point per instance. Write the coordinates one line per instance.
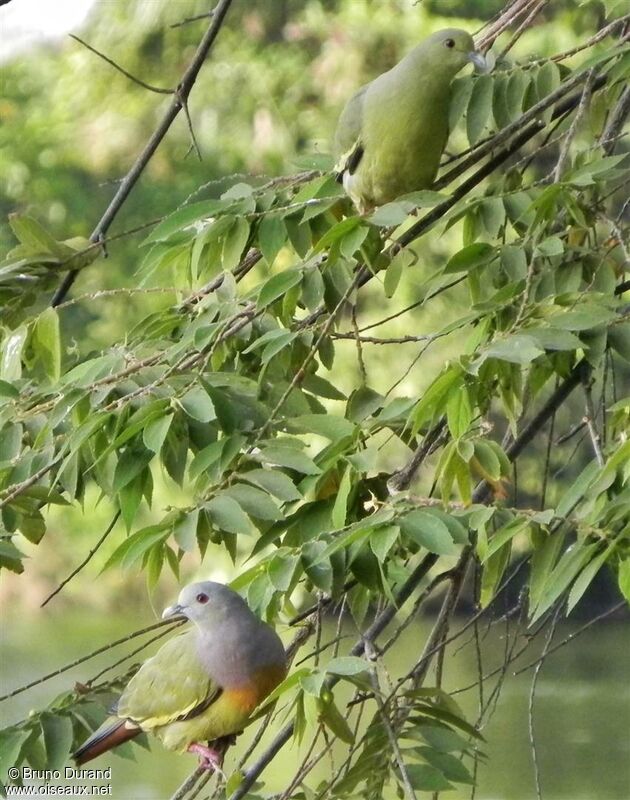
(449, 43)
(201, 598)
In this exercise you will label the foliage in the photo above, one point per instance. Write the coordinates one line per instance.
(236, 392)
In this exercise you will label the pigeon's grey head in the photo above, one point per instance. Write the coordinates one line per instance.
(206, 601)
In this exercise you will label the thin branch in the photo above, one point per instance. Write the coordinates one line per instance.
(131, 77)
(188, 20)
(131, 178)
(93, 654)
(616, 121)
(85, 561)
(591, 424)
(522, 28)
(609, 612)
(577, 119)
(530, 705)
(402, 479)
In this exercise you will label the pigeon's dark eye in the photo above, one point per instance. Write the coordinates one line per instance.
(450, 43)
(202, 598)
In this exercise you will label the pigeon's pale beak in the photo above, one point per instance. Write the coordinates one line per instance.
(479, 61)
(174, 612)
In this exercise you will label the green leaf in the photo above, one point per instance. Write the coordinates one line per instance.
(516, 349)
(329, 426)
(185, 530)
(565, 571)
(591, 172)
(286, 456)
(281, 570)
(347, 665)
(11, 358)
(315, 384)
(623, 578)
(8, 390)
(277, 286)
(11, 741)
(391, 214)
(272, 235)
(183, 218)
(503, 535)
(383, 539)
(198, 405)
(577, 490)
(469, 257)
(227, 515)
(434, 395)
(363, 402)
(461, 89)
(429, 532)
(394, 271)
(57, 731)
(585, 317)
(459, 412)
(273, 481)
(30, 233)
(488, 460)
(515, 93)
(131, 463)
(426, 778)
(340, 507)
(554, 339)
(254, 502)
(338, 231)
(11, 557)
(619, 339)
(313, 288)
(330, 715)
(206, 458)
(46, 342)
(136, 545)
(479, 107)
(234, 243)
(316, 566)
(585, 578)
(449, 765)
(156, 431)
(551, 246)
(351, 242)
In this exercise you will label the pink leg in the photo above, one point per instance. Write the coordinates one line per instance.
(208, 758)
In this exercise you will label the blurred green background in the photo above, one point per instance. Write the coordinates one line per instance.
(265, 104)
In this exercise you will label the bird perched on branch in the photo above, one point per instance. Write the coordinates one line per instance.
(202, 685)
(392, 132)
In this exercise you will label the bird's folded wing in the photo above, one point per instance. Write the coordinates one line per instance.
(172, 685)
(348, 135)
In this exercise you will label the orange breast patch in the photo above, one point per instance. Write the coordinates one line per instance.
(247, 697)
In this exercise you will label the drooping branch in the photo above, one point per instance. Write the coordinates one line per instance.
(177, 104)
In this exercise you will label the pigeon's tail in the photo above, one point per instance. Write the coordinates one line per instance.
(113, 731)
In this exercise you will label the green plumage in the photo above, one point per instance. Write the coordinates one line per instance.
(201, 685)
(392, 132)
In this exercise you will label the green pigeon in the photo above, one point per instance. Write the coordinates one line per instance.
(203, 684)
(392, 132)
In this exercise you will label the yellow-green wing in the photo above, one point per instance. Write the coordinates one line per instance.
(348, 134)
(169, 686)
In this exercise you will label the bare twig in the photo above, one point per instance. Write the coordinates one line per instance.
(93, 654)
(130, 180)
(530, 706)
(131, 77)
(85, 561)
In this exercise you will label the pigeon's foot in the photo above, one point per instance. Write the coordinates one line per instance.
(208, 758)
